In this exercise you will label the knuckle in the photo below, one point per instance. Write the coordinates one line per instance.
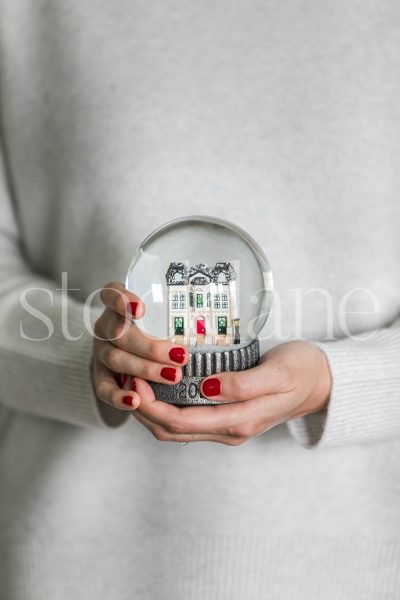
(103, 293)
(245, 430)
(160, 434)
(98, 327)
(240, 385)
(175, 426)
(152, 350)
(111, 356)
(118, 330)
(121, 301)
(116, 304)
(98, 390)
(114, 398)
(116, 298)
(146, 371)
(106, 291)
(230, 432)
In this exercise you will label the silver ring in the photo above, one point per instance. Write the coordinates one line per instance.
(184, 443)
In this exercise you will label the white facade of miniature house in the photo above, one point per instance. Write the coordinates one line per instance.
(202, 304)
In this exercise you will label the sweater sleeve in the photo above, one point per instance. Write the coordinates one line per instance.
(364, 404)
(48, 378)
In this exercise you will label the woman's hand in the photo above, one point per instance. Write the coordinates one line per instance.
(120, 349)
(291, 380)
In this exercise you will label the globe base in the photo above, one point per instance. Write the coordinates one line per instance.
(201, 365)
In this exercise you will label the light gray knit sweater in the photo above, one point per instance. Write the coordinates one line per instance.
(284, 117)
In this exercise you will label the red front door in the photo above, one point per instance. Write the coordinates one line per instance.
(201, 326)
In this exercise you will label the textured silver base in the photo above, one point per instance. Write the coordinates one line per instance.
(203, 364)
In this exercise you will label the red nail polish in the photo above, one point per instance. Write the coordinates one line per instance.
(128, 400)
(123, 379)
(132, 308)
(133, 385)
(177, 355)
(168, 373)
(211, 387)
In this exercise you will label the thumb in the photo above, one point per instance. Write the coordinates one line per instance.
(266, 378)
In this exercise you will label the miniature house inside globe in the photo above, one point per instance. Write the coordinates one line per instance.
(207, 285)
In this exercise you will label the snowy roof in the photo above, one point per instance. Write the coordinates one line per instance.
(177, 274)
(180, 274)
(201, 269)
(223, 272)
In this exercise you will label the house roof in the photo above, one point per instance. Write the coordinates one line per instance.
(180, 274)
(223, 272)
(177, 274)
(201, 269)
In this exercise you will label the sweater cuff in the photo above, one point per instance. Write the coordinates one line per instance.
(364, 403)
(59, 390)
(51, 378)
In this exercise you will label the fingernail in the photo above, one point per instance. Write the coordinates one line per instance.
(168, 373)
(132, 308)
(128, 400)
(177, 355)
(123, 379)
(133, 385)
(211, 387)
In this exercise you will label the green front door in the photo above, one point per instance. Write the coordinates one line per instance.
(179, 326)
(222, 321)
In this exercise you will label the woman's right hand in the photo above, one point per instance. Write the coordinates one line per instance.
(121, 351)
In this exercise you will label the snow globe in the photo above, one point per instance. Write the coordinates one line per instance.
(207, 285)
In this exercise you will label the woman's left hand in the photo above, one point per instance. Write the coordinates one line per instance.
(291, 380)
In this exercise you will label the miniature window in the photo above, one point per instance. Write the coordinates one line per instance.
(179, 325)
(182, 305)
(175, 297)
(191, 296)
(225, 297)
(183, 297)
(175, 305)
(222, 322)
(224, 305)
(217, 305)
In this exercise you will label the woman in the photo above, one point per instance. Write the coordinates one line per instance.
(117, 117)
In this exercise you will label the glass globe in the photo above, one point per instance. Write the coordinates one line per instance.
(206, 284)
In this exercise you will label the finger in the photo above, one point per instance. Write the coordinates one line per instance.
(266, 378)
(163, 435)
(240, 419)
(119, 361)
(113, 327)
(120, 300)
(108, 391)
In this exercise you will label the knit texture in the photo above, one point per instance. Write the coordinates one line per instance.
(364, 403)
(284, 118)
